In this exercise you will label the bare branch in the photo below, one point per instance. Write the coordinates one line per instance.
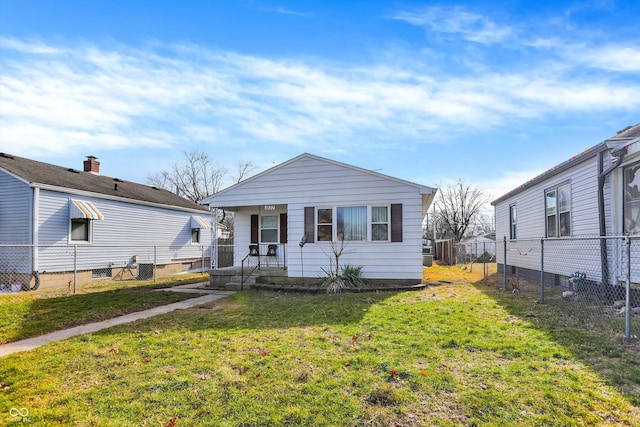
(457, 206)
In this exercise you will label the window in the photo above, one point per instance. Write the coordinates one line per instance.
(512, 222)
(558, 211)
(631, 199)
(80, 230)
(352, 223)
(379, 223)
(269, 229)
(325, 225)
(195, 235)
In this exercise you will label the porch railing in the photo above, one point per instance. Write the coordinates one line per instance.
(260, 255)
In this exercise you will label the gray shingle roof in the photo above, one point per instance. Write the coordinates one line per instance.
(47, 174)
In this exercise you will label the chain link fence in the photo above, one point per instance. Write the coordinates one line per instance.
(476, 254)
(33, 267)
(595, 280)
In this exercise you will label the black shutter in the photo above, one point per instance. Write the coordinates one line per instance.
(309, 224)
(396, 222)
(283, 228)
(254, 228)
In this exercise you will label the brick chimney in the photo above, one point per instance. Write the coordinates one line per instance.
(92, 165)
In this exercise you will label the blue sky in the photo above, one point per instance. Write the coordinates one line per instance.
(491, 92)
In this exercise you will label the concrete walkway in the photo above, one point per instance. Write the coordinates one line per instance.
(31, 343)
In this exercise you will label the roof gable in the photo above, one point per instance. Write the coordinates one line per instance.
(306, 156)
(40, 174)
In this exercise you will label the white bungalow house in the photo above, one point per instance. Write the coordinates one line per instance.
(595, 193)
(290, 214)
(68, 219)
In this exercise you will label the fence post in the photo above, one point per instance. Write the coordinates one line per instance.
(484, 260)
(627, 333)
(504, 265)
(541, 271)
(75, 267)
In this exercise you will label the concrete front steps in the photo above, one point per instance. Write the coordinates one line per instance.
(230, 278)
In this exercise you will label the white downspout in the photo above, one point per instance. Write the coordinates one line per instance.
(35, 235)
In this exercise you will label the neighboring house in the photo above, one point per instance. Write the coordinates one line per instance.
(593, 194)
(378, 217)
(106, 219)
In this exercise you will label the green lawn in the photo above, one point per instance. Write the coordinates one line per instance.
(28, 314)
(455, 354)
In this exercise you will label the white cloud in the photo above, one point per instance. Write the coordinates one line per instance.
(457, 21)
(507, 180)
(77, 96)
(36, 47)
(617, 57)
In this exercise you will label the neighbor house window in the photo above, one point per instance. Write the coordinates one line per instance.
(558, 211)
(631, 210)
(325, 224)
(80, 230)
(352, 223)
(195, 235)
(380, 223)
(269, 229)
(512, 222)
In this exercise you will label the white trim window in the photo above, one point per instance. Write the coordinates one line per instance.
(81, 216)
(513, 222)
(353, 223)
(380, 223)
(631, 201)
(195, 235)
(80, 230)
(269, 228)
(557, 203)
(325, 224)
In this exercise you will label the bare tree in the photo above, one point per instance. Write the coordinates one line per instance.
(457, 206)
(243, 169)
(194, 178)
(197, 177)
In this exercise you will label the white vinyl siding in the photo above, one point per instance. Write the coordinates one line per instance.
(15, 210)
